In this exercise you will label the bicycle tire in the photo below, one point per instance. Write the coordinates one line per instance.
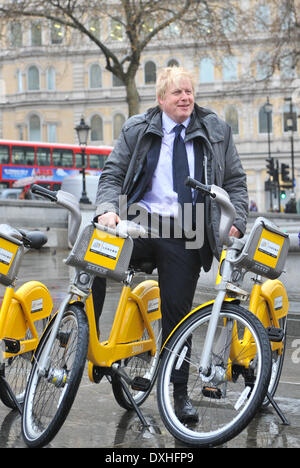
(16, 371)
(142, 365)
(226, 408)
(49, 397)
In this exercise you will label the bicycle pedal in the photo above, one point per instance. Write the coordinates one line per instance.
(275, 334)
(212, 392)
(140, 384)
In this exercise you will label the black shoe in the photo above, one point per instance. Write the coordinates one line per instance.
(184, 409)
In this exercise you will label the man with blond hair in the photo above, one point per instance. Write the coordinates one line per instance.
(155, 152)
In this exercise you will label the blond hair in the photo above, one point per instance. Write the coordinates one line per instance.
(169, 76)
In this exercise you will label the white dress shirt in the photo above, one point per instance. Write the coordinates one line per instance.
(161, 198)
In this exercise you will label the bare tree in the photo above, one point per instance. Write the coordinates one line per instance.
(199, 22)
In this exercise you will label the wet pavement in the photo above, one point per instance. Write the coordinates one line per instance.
(97, 421)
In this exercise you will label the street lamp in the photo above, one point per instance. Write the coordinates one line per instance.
(82, 133)
(268, 110)
(290, 127)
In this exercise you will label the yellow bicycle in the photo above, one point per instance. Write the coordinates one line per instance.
(130, 356)
(225, 349)
(23, 314)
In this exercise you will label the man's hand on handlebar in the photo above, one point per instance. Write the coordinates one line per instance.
(109, 219)
(234, 232)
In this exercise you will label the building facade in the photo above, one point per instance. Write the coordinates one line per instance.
(50, 78)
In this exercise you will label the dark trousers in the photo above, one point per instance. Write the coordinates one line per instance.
(178, 273)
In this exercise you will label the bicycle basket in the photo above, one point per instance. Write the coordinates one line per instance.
(265, 250)
(11, 252)
(102, 252)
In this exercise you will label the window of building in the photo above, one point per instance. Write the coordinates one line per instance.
(228, 21)
(265, 121)
(96, 128)
(16, 34)
(264, 67)
(232, 118)
(51, 79)
(94, 27)
(118, 123)
(57, 33)
(116, 81)
(20, 81)
(263, 17)
(287, 66)
(206, 70)
(172, 31)
(33, 78)
(51, 132)
(116, 30)
(229, 69)
(173, 63)
(34, 128)
(95, 76)
(36, 34)
(150, 72)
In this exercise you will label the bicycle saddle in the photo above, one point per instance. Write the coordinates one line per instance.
(33, 239)
(145, 266)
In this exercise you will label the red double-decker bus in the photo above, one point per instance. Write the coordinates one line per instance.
(25, 162)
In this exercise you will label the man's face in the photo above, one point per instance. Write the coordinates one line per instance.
(178, 101)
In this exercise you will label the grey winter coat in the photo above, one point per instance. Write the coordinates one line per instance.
(222, 165)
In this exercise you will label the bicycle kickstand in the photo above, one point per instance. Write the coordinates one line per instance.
(277, 409)
(136, 408)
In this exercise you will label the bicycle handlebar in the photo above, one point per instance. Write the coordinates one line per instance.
(43, 192)
(195, 184)
(228, 213)
(66, 200)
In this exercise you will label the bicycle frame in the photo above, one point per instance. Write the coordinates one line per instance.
(131, 319)
(19, 310)
(268, 301)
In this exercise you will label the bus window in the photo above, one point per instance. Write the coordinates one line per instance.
(78, 160)
(22, 155)
(43, 157)
(97, 161)
(4, 154)
(62, 158)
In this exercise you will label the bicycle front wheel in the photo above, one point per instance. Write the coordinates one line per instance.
(50, 394)
(227, 399)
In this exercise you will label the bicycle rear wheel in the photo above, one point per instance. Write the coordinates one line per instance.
(142, 365)
(16, 371)
(50, 395)
(227, 400)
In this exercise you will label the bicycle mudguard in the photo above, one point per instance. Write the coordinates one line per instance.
(146, 294)
(202, 306)
(35, 299)
(275, 294)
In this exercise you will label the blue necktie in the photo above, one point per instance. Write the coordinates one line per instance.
(180, 168)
